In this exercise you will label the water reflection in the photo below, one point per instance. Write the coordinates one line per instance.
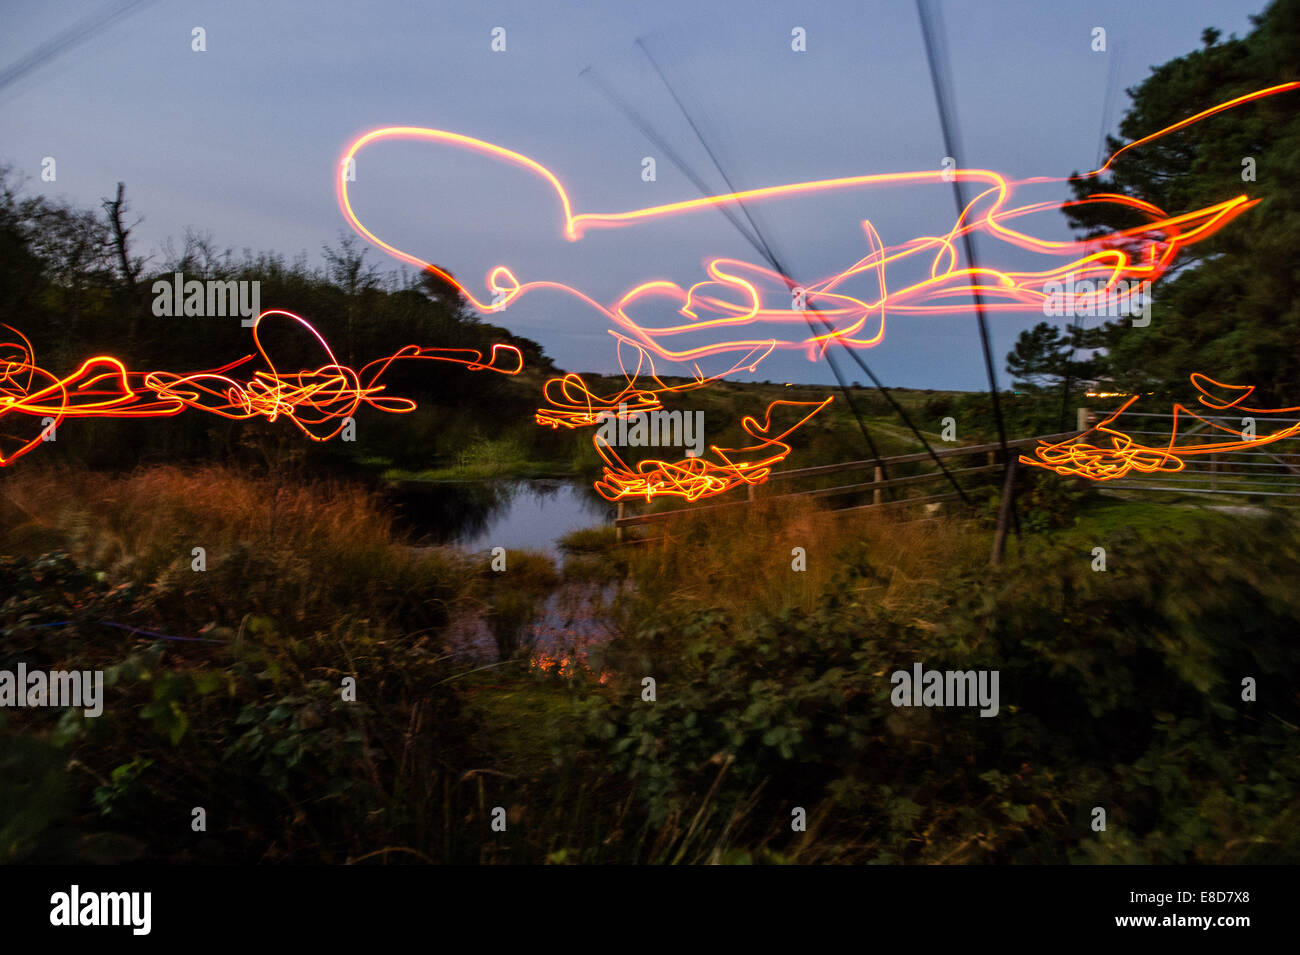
(480, 515)
(570, 630)
(571, 625)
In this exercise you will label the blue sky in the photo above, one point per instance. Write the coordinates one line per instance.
(241, 140)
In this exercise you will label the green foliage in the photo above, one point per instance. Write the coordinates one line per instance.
(124, 786)
(1044, 356)
(1044, 500)
(515, 598)
(1232, 310)
(34, 794)
(1118, 689)
(250, 725)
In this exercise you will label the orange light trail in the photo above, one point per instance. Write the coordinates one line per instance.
(736, 296)
(1075, 458)
(572, 404)
(695, 478)
(739, 295)
(316, 401)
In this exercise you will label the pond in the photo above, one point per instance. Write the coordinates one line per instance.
(515, 514)
(522, 514)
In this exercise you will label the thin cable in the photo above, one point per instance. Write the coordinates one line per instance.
(73, 36)
(775, 262)
(754, 237)
(933, 37)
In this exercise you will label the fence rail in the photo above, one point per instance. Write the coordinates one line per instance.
(1224, 473)
(1221, 473)
(878, 484)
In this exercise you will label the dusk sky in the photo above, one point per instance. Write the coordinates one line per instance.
(242, 140)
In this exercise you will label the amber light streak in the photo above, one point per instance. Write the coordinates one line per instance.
(738, 295)
(567, 665)
(734, 300)
(572, 404)
(1076, 458)
(317, 401)
(694, 478)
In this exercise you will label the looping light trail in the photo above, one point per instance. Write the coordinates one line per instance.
(1075, 458)
(317, 401)
(738, 298)
(740, 294)
(572, 404)
(746, 307)
(694, 478)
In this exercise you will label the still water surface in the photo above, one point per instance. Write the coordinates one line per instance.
(480, 515)
(533, 515)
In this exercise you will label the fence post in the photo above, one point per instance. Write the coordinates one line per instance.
(1004, 512)
(1082, 421)
(618, 528)
(876, 495)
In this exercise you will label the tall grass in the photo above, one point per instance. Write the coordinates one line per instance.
(307, 552)
(743, 561)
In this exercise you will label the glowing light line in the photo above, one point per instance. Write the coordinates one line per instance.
(317, 401)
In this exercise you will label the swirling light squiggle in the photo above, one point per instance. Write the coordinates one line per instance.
(1076, 458)
(738, 294)
(317, 401)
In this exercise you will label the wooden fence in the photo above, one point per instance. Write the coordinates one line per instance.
(877, 485)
